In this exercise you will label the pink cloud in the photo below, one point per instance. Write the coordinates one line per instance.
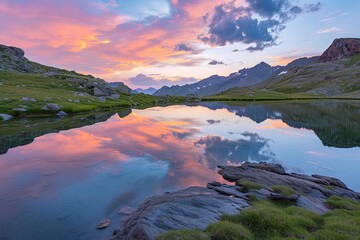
(86, 37)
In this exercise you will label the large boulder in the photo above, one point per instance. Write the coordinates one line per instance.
(192, 208)
(341, 48)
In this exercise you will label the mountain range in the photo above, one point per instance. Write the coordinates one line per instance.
(315, 76)
(245, 77)
(149, 91)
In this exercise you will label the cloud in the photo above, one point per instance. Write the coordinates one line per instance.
(215, 62)
(143, 80)
(259, 23)
(329, 30)
(183, 47)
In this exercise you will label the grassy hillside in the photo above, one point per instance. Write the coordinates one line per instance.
(339, 79)
(31, 92)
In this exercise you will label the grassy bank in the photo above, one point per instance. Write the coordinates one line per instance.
(281, 220)
(31, 92)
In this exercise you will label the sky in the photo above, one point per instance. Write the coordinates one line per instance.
(165, 42)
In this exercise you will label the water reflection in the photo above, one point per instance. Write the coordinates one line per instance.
(63, 183)
(336, 123)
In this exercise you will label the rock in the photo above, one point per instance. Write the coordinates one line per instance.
(115, 96)
(98, 92)
(196, 207)
(51, 107)
(192, 208)
(267, 175)
(103, 224)
(27, 99)
(76, 101)
(278, 196)
(5, 117)
(123, 88)
(102, 99)
(227, 190)
(116, 231)
(19, 109)
(126, 210)
(70, 100)
(61, 114)
(341, 48)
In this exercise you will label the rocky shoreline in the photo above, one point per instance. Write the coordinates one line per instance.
(197, 207)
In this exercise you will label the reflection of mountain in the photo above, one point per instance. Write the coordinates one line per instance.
(221, 151)
(336, 123)
(21, 132)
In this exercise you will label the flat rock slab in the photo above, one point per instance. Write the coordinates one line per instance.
(272, 174)
(192, 208)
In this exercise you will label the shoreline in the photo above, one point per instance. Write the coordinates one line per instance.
(194, 208)
(43, 114)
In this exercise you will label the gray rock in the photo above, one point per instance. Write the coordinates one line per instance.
(76, 101)
(61, 114)
(103, 224)
(51, 107)
(126, 210)
(19, 109)
(305, 185)
(102, 99)
(98, 92)
(192, 208)
(5, 117)
(28, 99)
(115, 96)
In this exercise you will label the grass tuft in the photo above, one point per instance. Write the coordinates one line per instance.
(225, 230)
(184, 235)
(283, 190)
(248, 185)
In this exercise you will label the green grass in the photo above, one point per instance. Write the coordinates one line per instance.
(266, 220)
(56, 89)
(184, 235)
(343, 203)
(248, 185)
(286, 191)
(225, 230)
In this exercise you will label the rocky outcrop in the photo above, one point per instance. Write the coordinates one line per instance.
(269, 174)
(196, 207)
(12, 59)
(192, 208)
(341, 48)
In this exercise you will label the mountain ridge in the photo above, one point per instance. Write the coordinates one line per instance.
(245, 77)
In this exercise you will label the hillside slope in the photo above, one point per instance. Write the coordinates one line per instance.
(335, 74)
(29, 88)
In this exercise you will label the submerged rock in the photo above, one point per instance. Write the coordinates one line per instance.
(103, 224)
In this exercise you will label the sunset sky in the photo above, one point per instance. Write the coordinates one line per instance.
(165, 42)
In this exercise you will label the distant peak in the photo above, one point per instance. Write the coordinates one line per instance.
(341, 48)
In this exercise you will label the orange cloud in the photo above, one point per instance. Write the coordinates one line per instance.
(83, 36)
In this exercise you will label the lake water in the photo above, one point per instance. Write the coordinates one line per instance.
(60, 177)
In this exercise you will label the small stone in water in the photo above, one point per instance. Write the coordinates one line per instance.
(103, 224)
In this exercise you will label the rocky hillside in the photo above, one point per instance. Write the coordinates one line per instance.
(31, 88)
(341, 48)
(243, 78)
(335, 74)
